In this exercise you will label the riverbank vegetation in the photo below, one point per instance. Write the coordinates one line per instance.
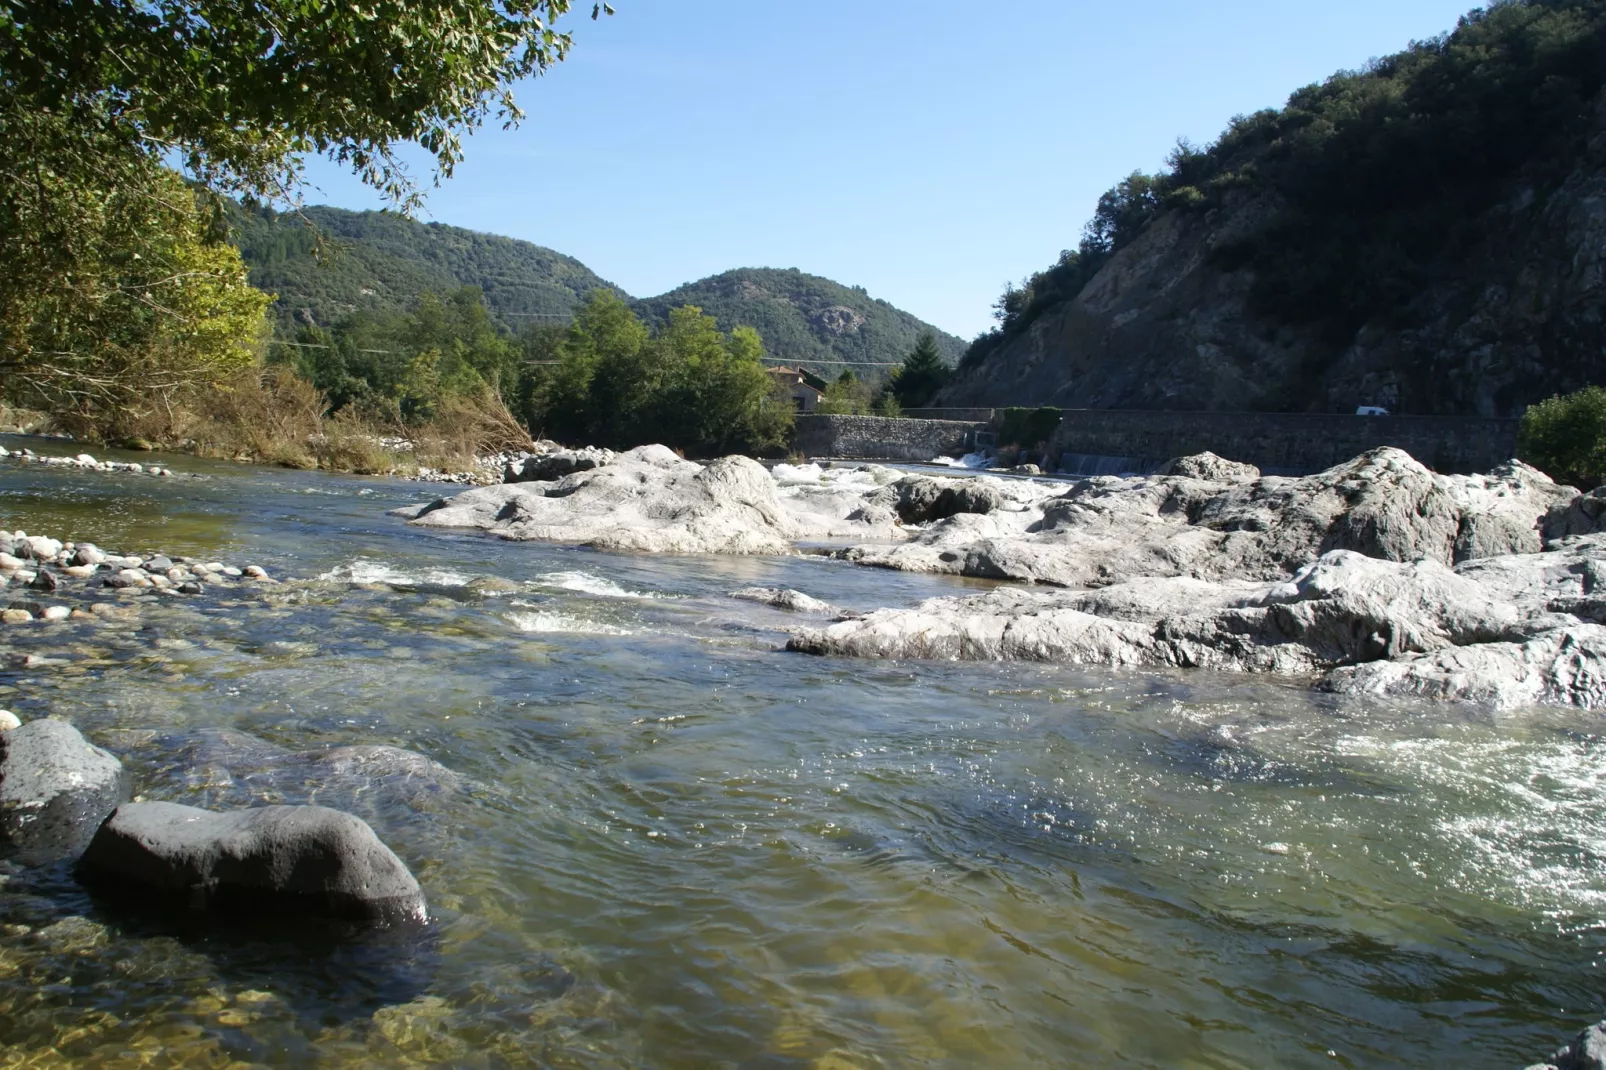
(1368, 179)
(1565, 437)
(613, 380)
(124, 309)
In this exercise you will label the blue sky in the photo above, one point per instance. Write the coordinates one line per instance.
(927, 150)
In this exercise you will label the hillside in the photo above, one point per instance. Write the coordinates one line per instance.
(1427, 234)
(380, 261)
(805, 318)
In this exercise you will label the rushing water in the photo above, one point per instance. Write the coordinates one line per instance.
(674, 845)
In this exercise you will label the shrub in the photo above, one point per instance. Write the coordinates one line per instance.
(1028, 428)
(1565, 437)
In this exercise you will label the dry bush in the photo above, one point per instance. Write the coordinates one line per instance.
(263, 414)
(350, 443)
(466, 428)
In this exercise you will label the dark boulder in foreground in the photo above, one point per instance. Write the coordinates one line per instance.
(299, 860)
(55, 788)
(1586, 1052)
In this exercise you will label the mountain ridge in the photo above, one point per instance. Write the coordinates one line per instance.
(381, 261)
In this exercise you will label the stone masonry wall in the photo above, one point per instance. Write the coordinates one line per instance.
(881, 439)
(1296, 442)
(1142, 440)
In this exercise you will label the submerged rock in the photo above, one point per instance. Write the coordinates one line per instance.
(305, 860)
(55, 787)
(385, 785)
(784, 598)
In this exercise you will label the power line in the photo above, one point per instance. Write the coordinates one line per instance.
(854, 363)
(318, 345)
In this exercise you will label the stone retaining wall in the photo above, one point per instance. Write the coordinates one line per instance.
(881, 439)
(1138, 441)
(1288, 442)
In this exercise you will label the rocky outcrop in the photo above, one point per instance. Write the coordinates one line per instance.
(1383, 504)
(555, 464)
(1169, 323)
(299, 860)
(648, 500)
(1515, 630)
(55, 788)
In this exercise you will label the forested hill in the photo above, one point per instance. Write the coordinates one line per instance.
(1428, 233)
(805, 318)
(381, 262)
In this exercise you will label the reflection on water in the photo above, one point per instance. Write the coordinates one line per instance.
(658, 841)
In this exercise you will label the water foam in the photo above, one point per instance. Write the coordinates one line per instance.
(589, 583)
(368, 570)
(544, 622)
(969, 460)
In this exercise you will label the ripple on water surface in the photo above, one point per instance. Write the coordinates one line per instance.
(660, 842)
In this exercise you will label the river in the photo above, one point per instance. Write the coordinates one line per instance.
(675, 845)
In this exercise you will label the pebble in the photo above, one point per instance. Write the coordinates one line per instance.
(191, 587)
(232, 571)
(159, 563)
(88, 554)
(256, 572)
(80, 572)
(9, 720)
(10, 563)
(126, 578)
(15, 616)
(86, 462)
(58, 612)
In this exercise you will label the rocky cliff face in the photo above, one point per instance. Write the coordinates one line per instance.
(1168, 322)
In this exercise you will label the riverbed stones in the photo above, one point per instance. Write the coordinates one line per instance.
(55, 787)
(9, 720)
(15, 616)
(296, 860)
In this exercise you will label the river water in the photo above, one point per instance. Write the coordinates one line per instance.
(674, 845)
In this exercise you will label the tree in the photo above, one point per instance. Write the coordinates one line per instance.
(116, 293)
(846, 396)
(241, 89)
(923, 373)
(1565, 437)
(688, 386)
(115, 285)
